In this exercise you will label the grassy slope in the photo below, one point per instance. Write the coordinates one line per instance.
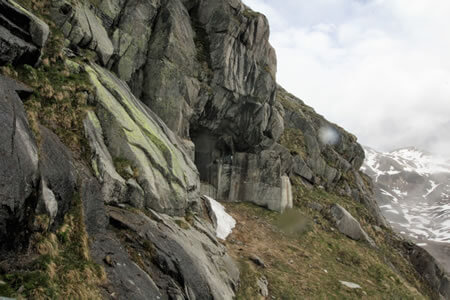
(310, 262)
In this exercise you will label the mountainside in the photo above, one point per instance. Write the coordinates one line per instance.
(121, 119)
(413, 190)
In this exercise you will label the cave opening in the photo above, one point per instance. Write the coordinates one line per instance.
(212, 152)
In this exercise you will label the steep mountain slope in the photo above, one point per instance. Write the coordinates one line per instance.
(414, 192)
(413, 189)
(118, 115)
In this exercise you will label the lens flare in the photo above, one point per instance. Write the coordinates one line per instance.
(328, 135)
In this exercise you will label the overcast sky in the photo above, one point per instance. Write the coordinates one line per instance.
(378, 68)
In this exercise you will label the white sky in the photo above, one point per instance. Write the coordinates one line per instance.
(378, 68)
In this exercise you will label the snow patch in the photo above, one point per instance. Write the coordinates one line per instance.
(225, 222)
(430, 190)
(350, 284)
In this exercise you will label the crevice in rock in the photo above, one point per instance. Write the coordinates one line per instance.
(18, 226)
(137, 90)
(14, 126)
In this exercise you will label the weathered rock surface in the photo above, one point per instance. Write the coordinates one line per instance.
(33, 180)
(83, 28)
(173, 262)
(58, 178)
(127, 280)
(255, 178)
(126, 129)
(348, 225)
(325, 154)
(193, 257)
(326, 149)
(201, 67)
(207, 70)
(19, 170)
(22, 35)
(113, 185)
(172, 53)
(176, 259)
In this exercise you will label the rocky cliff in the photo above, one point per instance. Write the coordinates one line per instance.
(118, 115)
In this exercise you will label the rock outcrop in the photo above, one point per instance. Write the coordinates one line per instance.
(348, 225)
(137, 161)
(322, 153)
(206, 69)
(124, 129)
(429, 268)
(33, 180)
(19, 165)
(22, 35)
(164, 252)
(58, 177)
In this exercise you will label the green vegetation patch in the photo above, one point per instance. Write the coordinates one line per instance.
(250, 14)
(62, 268)
(294, 141)
(125, 168)
(60, 96)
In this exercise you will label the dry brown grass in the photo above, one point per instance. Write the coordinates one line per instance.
(310, 264)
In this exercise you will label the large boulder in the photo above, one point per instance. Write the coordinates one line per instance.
(19, 170)
(22, 35)
(348, 225)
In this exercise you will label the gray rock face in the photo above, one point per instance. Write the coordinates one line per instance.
(200, 66)
(83, 28)
(124, 129)
(128, 280)
(348, 225)
(325, 154)
(57, 172)
(174, 53)
(328, 150)
(174, 262)
(255, 178)
(19, 173)
(22, 35)
(113, 185)
(193, 257)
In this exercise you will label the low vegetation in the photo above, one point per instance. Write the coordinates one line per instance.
(294, 141)
(59, 266)
(60, 97)
(309, 261)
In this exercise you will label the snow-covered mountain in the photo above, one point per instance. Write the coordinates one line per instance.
(413, 189)
(413, 192)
